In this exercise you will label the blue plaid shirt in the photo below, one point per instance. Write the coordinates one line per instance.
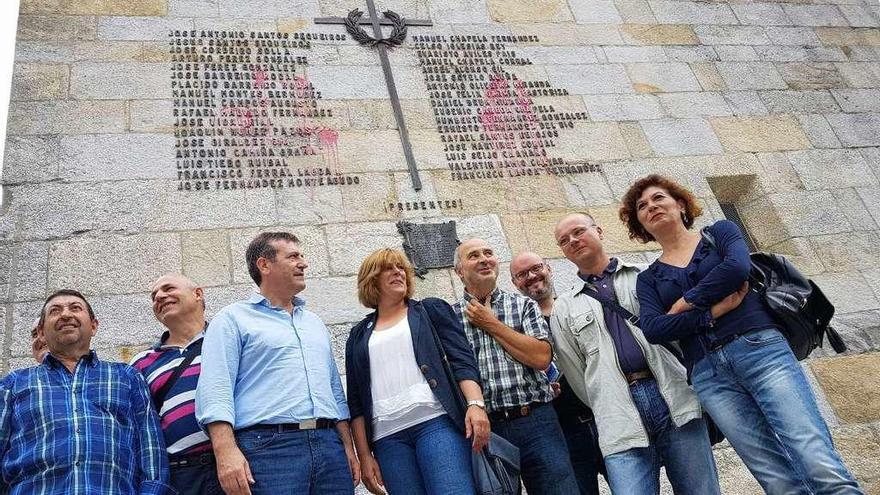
(93, 431)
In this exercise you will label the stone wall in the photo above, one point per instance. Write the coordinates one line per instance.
(773, 107)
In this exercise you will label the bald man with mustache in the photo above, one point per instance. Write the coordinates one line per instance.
(172, 367)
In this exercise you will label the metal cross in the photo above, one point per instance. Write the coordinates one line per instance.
(353, 23)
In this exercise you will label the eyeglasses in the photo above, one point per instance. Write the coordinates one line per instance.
(534, 269)
(563, 241)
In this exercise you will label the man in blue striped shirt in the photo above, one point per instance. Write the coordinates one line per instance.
(75, 424)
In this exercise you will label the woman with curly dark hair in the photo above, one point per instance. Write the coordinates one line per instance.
(741, 366)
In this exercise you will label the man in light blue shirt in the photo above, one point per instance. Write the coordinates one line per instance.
(269, 393)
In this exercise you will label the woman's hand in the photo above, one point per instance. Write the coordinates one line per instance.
(680, 306)
(476, 426)
(371, 475)
(730, 302)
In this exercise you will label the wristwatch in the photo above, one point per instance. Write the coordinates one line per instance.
(478, 403)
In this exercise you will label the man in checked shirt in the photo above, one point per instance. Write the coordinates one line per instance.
(511, 342)
(74, 424)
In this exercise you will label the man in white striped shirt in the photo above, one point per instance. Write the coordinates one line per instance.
(171, 368)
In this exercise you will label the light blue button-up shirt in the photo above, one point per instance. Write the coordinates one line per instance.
(263, 365)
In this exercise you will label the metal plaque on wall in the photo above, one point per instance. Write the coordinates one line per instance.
(429, 245)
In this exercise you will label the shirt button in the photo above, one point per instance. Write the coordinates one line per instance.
(424, 369)
(432, 383)
(76, 463)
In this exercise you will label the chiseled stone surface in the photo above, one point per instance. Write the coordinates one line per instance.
(750, 134)
(39, 82)
(530, 11)
(66, 117)
(205, 257)
(850, 383)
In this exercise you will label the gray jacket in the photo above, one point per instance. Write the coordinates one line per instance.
(586, 354)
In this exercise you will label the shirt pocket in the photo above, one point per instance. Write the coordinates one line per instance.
(584, 328)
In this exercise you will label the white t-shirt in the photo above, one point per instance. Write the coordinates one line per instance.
(401, 395)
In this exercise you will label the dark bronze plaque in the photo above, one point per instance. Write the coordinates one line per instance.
(429, 245)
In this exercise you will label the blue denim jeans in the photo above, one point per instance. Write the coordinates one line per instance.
(544, 463)
(306, 462)
(757, 393)
(685, 451)
(430, 458)
(196, 479)
(582, 440)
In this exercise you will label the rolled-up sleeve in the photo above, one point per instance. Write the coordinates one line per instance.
(153, 461)
(451, 333)
(221, 352)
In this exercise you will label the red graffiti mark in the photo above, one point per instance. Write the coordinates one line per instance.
(261, 79)
(511, 125)
(241, 117)
(327, 140)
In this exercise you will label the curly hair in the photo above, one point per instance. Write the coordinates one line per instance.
(628, 212)
(372, 267)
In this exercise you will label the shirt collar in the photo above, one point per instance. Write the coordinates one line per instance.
(619, 265)
(51, 361)
(493, 296)
(166, 334)
(610, 269)
(257, 298)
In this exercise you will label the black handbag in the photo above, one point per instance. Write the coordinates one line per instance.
(796, 302)
(496, 467)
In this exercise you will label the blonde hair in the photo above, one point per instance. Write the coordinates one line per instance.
(372, 267)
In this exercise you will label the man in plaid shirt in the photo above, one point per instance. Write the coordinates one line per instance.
(76, 425)
(511, 342)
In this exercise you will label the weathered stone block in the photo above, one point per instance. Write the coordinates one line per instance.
(112, 264)
(151, 116)
(459, 12)
(872, 156)
(56, 27)
(634, 54)
(193, 8)
(623, 107)
(311, 238)
(55, 117)
(39, 81)
(116, 7)
(63, 52)
(736, 53)
(855, 251)
(788, 101)
(753, 134)
(334, 299)
(119, 81)
(855, 130)
(595, 12)
(635, 11)
(779, 216)
(534, 11)
(349, 244)
(27, 264)
(40, 7)
(849, 292)
(858, 100)
(684, 105)
(792, 36)
(827, 169)
(658, 34)
(668, 12)
(871, 197)
(761, 14)
(269, 8)
(750, 75)
(678, 137)
(862, 53)
(586, 190)
(690, 53)
(787, 53)
(840, 36)
(30, 159)
(850, 383)
(860, 15)
(731, 35)
(811, 75)
(140, 28)
(860, 74)
(205, 257)
(800, 252)
(599, 141)
(488, 228)
(664, 77)
(860, 452)
(818, 130)
(590, 79)
(635, 139)
(94, 157)
(814, 15)
(125, 321)
(559, 55)
(556, 34)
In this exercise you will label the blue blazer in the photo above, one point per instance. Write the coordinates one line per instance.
(428, 357)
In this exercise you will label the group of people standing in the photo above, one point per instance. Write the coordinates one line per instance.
(616, 376)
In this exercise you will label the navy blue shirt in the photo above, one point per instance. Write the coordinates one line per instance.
(711, 275)
(629, 354)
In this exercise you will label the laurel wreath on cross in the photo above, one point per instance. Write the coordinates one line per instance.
(398, 33)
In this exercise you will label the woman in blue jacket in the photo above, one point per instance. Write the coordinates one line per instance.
(405, 416)
(742, 368)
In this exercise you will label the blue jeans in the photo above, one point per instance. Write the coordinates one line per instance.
(685, 451)
(757, 393)
(296, 462)
(196, 479)
(544, 463)
(432, 458)
(582, 440)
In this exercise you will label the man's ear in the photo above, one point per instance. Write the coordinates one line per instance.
(94, 327)
(600, 232)
(200, 293)
(263, 265)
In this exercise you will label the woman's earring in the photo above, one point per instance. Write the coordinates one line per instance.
(684, 217)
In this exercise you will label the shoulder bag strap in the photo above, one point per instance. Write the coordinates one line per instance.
(613, 306)
(159, 396)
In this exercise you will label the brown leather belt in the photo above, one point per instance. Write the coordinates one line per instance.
(515, 412)
(636, 376)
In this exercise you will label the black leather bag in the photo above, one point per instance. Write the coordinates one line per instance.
(496, 467)
(796, 302)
